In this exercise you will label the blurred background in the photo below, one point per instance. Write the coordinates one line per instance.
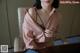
(9, 28)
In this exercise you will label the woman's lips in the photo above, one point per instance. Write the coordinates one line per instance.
(47, 1)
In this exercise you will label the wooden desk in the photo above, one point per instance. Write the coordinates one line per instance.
(69, 48)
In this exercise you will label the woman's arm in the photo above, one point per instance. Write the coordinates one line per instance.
(28, 36)
(50, 32)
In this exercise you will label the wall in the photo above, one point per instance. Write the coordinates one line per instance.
(4, 27)
(70, 19)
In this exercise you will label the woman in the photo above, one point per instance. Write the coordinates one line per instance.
(40, 26)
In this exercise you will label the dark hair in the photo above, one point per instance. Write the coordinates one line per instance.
(37, 4)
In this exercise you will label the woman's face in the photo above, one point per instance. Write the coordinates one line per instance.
(47, 2)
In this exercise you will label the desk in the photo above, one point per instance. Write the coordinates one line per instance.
(68, 48)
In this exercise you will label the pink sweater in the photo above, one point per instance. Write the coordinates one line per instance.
(43, 39)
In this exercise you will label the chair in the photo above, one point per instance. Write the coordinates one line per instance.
(18, 41)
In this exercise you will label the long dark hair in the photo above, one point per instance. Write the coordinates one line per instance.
(37, 4)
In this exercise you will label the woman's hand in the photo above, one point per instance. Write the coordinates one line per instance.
(30, 34)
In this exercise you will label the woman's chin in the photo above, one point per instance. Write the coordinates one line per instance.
(47, 4)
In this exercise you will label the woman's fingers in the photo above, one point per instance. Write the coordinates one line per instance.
(30, 34)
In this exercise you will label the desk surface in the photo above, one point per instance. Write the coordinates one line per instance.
(68, 48)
